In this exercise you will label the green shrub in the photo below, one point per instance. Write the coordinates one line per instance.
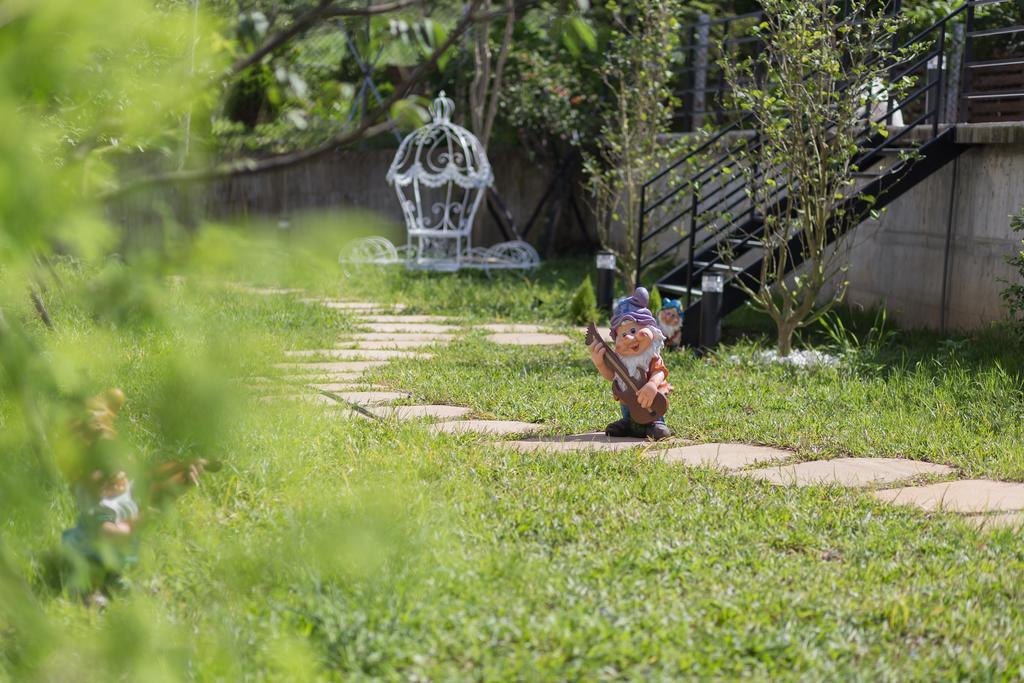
(655, 302)
(583, 307)
(1013, 295)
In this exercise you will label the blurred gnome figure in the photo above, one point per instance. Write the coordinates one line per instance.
(104, 541)
(101, 545)
(638, 342)
(670, 321)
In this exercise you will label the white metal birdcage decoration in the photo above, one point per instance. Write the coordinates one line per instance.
(440, 175)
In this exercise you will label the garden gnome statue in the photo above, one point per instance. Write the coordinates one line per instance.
(104, 542)
(638, 344)
(670, 321)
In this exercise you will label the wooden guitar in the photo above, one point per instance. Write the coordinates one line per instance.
(627, 396)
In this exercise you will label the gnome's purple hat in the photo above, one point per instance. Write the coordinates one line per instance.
(634, 308)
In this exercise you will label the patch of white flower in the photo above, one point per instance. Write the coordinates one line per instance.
(800, 358)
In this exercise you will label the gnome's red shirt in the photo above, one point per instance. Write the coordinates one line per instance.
(655, 367)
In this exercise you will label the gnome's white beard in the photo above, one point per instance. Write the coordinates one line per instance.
(669, 330)
(122, 505)
(638, 365)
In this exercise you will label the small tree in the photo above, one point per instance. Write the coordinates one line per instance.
(815, 82)
(655, 302)
(1013, 295)
(631, 146)
(583, 306)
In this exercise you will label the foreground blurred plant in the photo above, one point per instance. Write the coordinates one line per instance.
(80, 84)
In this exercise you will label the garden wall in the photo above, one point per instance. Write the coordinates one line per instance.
(346, 179)
(901, 260)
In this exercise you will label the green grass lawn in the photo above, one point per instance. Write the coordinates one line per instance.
(338, 548)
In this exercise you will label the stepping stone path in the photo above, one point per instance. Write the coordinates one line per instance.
(365, 337)
(414, 328)
(591, 441)
(969, 495)
(418, 319)
(528, 339)
(437, 412)
(355, 354)
(355, 305)
(373, 345)
(503, 328)
(350, 367)
(343, 377)
(368, 398)
(492, 427)
(339, 387)
(848, 471)
(387, 335)
(726, 456)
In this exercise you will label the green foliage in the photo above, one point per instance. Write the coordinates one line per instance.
(638, 112)
(655, 302)
(1013, 295)
(809, 92)
(583, 306)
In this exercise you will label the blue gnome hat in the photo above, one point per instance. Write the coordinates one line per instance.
(673, 303)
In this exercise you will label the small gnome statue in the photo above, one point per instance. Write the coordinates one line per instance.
(104, 542)
(670, 321)
(638, 343)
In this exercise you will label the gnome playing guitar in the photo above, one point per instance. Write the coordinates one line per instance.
(635, 368)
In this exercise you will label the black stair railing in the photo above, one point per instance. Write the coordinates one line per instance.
(700, 206)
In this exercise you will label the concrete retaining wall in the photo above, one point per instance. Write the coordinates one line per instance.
(901, 260)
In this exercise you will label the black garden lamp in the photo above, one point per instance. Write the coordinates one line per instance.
(605, 279)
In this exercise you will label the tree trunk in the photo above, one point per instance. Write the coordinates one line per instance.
(786, 331)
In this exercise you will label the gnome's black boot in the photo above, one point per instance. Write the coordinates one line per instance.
(623, 427)
(658, 430)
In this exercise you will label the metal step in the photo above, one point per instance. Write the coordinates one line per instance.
(678, 290)
(718, 266)
(741, 241)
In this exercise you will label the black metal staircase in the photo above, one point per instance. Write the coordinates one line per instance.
(696, 215)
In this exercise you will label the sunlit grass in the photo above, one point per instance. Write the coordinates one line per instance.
(336, 547)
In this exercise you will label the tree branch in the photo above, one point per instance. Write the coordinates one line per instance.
(325, 9)
(367, 129)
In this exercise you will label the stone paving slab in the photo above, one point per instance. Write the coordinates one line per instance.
(338, 377)
(527, 339)
(437, 412)
(310, 398)
(404, 318)
(386, 345)
(350, 386)
(514, 328)
(398, 336)
(369, 398)
(357, 354)
(967, 495)
(591, 441)
(410, 328)
(728, 456)
(847, 471)
(1005, 520)
(333, 367)
(490, 427)
(367, 306)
